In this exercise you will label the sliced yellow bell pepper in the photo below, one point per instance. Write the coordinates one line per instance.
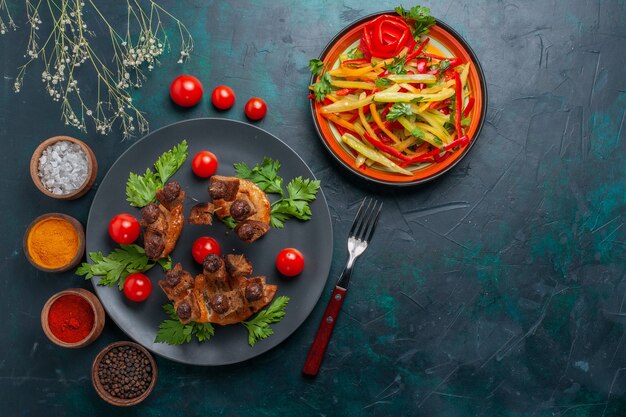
(372, 154)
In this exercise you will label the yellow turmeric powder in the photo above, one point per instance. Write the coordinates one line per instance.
(52, 243)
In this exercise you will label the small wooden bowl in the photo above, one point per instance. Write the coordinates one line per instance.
(92, 170)
(95, 379)
(98, 314)
(81, 242)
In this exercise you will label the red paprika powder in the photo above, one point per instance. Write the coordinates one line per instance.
(71, 318)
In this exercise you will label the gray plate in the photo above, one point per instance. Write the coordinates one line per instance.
(231, 142)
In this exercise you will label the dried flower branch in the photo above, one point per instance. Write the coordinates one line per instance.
(9, 24)
(66, 49)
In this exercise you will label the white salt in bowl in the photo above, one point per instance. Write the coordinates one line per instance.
(77, 191)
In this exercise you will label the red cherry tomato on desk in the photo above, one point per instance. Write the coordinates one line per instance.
(204, 164)
(290, 262)
(223, 97)
(137, 287)
(124, 229)
(204, 246)
(256, 108)
(186, 91)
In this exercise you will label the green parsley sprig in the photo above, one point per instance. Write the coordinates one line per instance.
(300, 192)
(117, 265)
(141, 189)
(382, 82)
(397, 65)
(295, 203)
(420, 17)
(322, 87)
(264, 175)
(259, 327)
(173, 332)
(398, 110)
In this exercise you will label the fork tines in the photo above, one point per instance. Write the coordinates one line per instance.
(366, 220)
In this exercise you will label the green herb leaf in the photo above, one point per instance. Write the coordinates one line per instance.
(166, 263)
(316, 66)
(397, 65)
(466, 121)
(300, 193)
(443, 65)
(449, 126)
(278, 219)
(259, 326)
(265, 175)
(203, 331)
(420, 17)
(170, 161)
(397, 110)
(117, 265)
(322, 87)
(141, 189)
(382, 82)
(355, 53)
(417, 100)
(173, 332)
(418, 133)
(170, 311)
(229, 222)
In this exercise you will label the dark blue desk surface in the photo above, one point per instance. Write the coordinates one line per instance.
(498, 290)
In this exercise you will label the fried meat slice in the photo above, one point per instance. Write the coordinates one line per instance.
(163, 222)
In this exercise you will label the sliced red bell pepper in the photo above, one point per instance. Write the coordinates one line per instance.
(418, 51)
(383, 114)
(455, 62)
(344, 92)
(462, 141)
(421, 66)
(348, 62)
(436, 154)
(385, 148)
(439, 57)
(364, 45)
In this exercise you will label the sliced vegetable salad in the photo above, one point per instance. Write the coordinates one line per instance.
(394, 99)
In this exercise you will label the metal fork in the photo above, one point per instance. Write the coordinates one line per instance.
(359, 237)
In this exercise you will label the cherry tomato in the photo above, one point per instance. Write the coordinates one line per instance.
(204, 246)
(137, 287)
(124, 229)
(223, 97)
(204, 164)
(186, 91)
(290, 262)
(256, 108)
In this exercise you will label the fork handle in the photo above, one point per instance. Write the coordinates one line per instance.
(324, 331)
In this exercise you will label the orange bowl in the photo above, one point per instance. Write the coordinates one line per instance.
(451, 44)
